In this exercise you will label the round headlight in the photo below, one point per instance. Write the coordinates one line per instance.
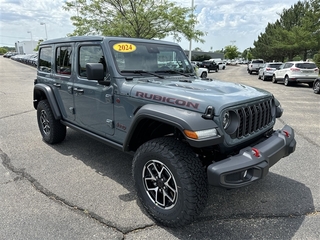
(226, 120)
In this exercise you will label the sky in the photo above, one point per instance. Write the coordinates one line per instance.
(236, 22)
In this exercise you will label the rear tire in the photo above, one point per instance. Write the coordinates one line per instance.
(316, 87)
(170, 181)
(263, 78)
(204, 75)
(51, 129)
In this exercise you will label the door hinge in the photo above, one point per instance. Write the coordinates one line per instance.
(110, 123)
(109, 98)
(71, 109)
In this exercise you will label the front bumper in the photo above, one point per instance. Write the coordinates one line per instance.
(252, 163)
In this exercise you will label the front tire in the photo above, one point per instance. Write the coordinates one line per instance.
(170, 181)
(274, 80)
(51, 129)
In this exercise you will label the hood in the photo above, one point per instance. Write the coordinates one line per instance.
(197, 94)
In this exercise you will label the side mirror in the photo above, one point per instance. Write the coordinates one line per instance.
(96, 72)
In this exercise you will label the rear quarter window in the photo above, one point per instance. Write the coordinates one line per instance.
(45, 58)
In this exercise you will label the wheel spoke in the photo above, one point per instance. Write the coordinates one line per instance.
(160, 184)
(45, 122)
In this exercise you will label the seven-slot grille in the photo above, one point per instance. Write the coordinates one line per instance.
(253, 117)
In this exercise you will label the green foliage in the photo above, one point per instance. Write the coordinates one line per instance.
(6, 49)
(37, 47)
(297, 58)
(200, 58)
(316, 59)
(231, 52)
(2, 50)
(133, 18)
(296, 33)
(197, 49)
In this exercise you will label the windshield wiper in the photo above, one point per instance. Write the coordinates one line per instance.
(173, 71)
(141, 71)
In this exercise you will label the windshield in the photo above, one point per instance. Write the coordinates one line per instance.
(138, 58)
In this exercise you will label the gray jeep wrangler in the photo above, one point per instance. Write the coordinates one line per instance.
(144, 98)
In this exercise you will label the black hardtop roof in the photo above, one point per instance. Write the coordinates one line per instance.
(103, 38)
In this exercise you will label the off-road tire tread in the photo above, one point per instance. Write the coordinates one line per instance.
(189, 170)
(57, 130)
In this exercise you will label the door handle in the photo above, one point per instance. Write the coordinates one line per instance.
(57, 85)
(78, 90)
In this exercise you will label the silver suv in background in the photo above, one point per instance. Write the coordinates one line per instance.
(267, 70)
(296, 72)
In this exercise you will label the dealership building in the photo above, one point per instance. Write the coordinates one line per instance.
(26, 47)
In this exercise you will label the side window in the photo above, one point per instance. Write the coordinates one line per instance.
(90, 54)
(45, 57)
(63, 60)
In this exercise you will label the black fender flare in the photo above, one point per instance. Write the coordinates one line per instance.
(180, 118)
(39, 91)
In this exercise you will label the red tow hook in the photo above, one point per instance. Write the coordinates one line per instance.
(255, 152)
(286, 133)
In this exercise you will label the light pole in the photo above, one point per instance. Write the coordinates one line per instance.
(31, 39)
(45, 27)
(190, 43)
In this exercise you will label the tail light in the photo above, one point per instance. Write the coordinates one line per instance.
(294, 69)
(268, 69)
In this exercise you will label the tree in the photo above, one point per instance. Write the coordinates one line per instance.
(2, 50)
(133, 18)
(37, 47)
(197, 49)
(295, 34)
(231, 52)
(316, 59)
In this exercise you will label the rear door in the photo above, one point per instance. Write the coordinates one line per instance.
(54, 69)
(93, 102)
(63, 79)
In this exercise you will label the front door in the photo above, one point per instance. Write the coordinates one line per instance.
(93, 102)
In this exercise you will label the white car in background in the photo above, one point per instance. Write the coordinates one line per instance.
(201, 72)
(296, 72)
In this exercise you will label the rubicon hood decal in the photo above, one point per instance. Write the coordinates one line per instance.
(170, 100)
(198, 94)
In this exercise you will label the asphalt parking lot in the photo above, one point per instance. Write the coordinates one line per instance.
(82, 189)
